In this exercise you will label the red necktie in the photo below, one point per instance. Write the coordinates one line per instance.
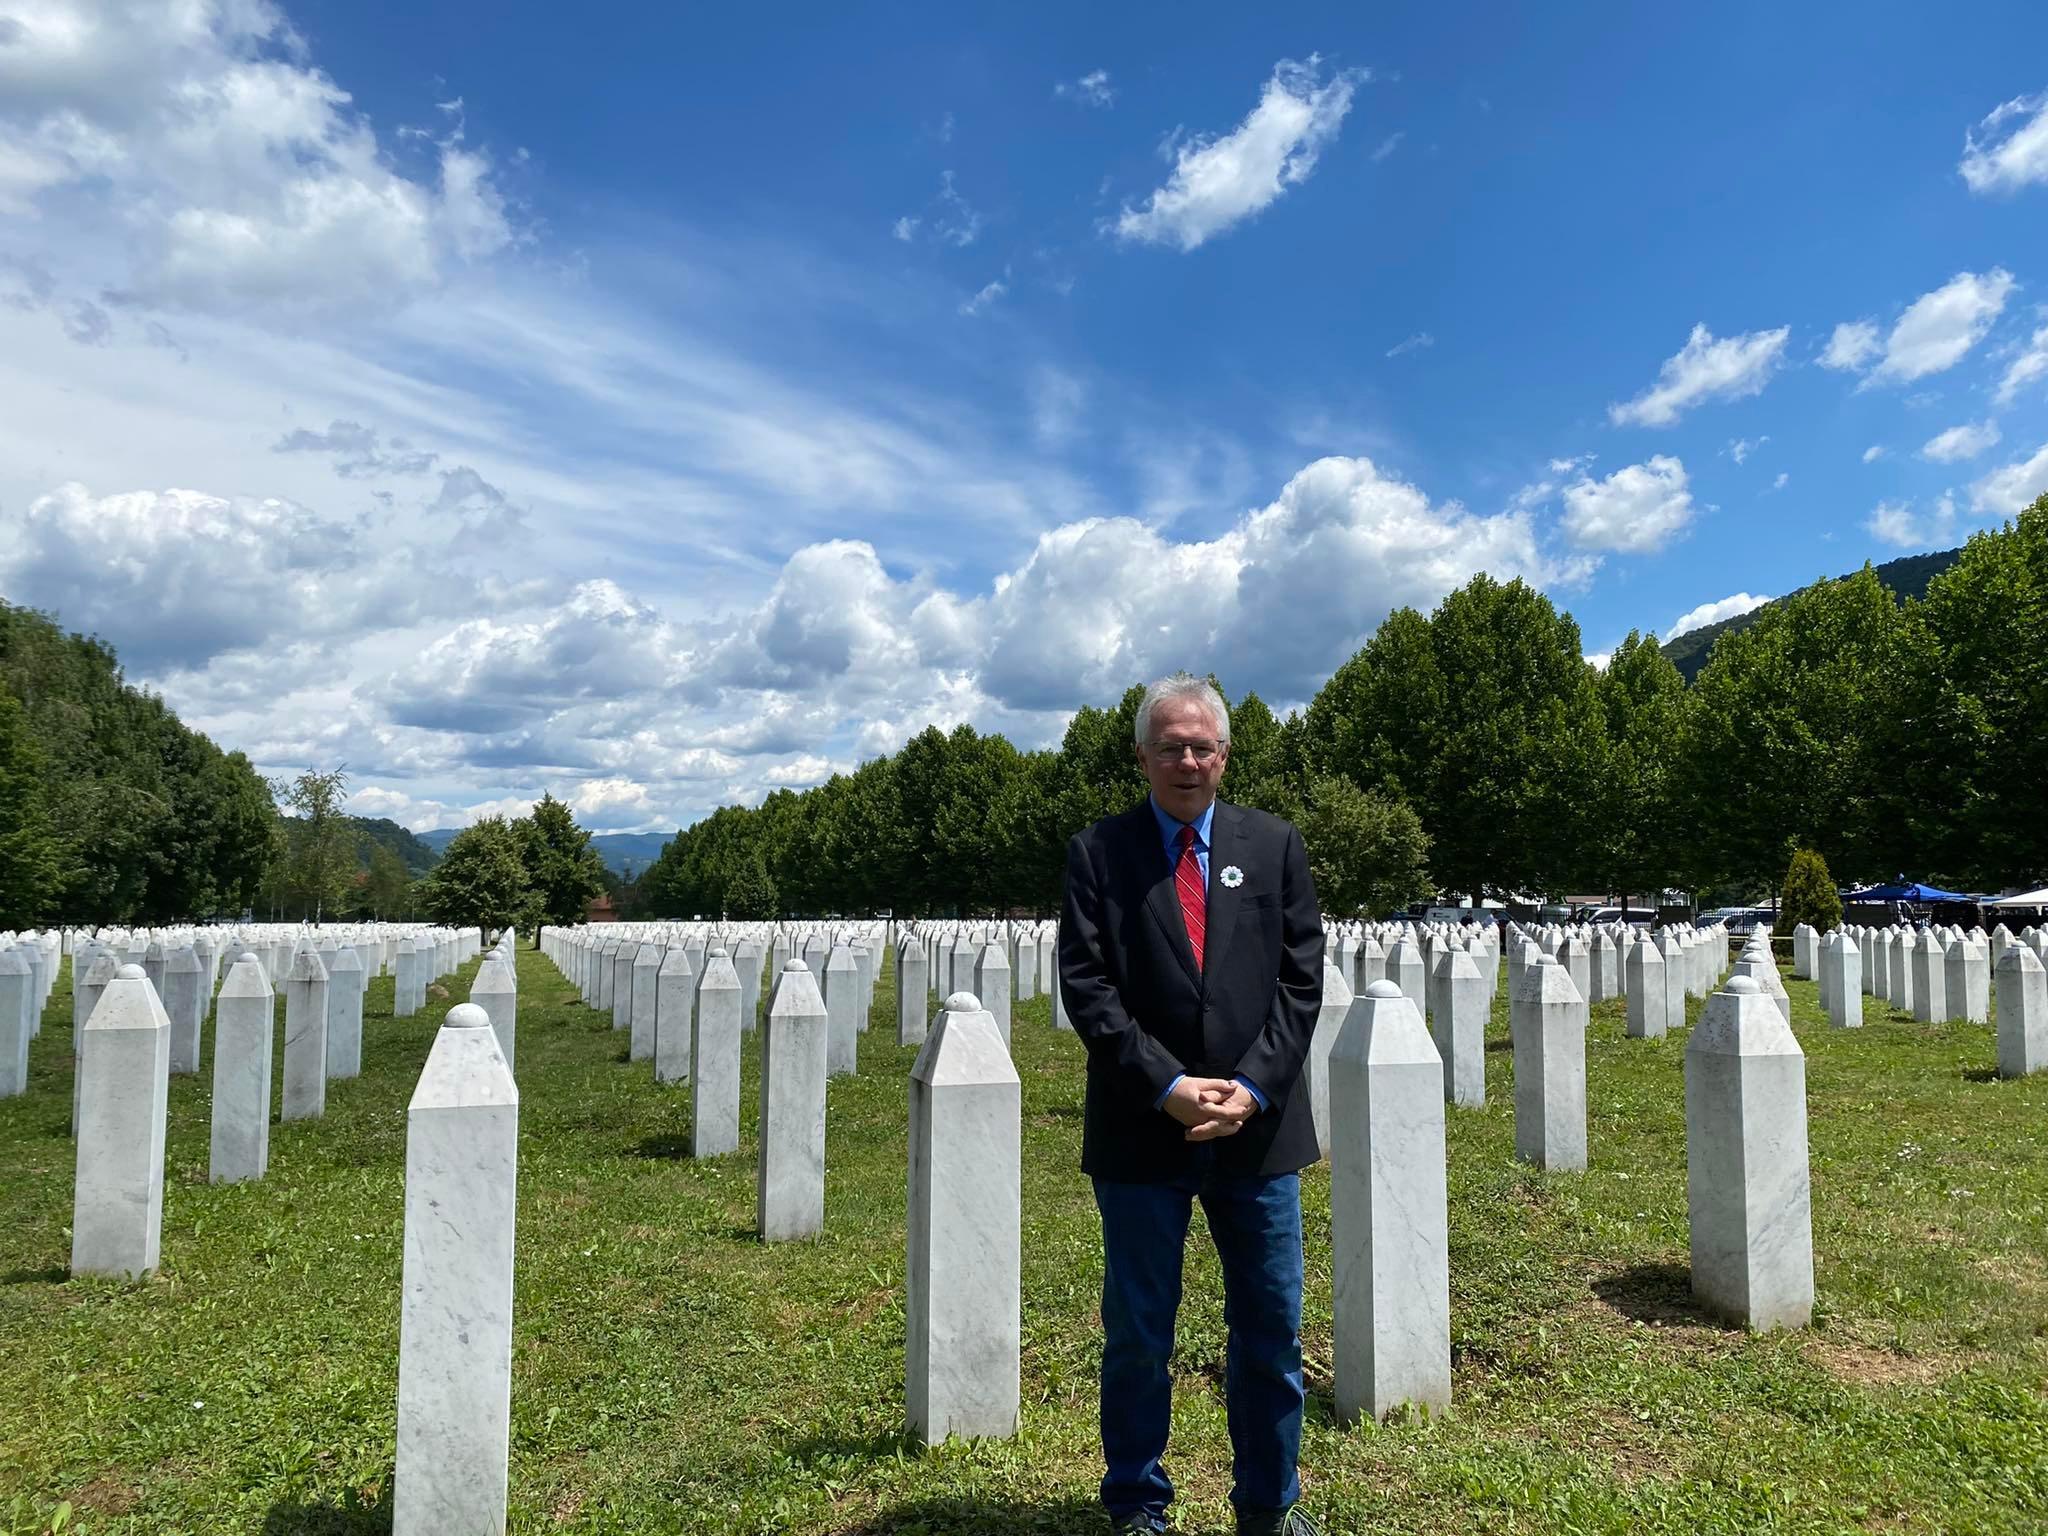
(1194, 897)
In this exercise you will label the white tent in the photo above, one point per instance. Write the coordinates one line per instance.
(2024, 899)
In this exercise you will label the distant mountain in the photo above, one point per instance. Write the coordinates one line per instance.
(1907, 577)
(415, 853)
(625, 854)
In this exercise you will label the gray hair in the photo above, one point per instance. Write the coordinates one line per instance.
(1183, 685)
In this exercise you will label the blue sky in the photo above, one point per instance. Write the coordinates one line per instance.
(665, 407)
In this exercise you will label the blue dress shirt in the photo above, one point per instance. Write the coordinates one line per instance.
(1169, 832)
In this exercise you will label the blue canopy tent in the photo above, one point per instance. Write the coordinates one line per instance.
(1914, 892)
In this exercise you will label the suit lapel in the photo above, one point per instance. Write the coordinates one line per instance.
(1226, 839)
(1160, 898)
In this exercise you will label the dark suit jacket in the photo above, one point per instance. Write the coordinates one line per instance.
(1128, 979)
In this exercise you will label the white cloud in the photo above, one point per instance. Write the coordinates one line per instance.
(1873, 453)
(1387, 146)
(1217, 182)
(2031, 364)
(1091, 90)
(1705, 369)
(1714, 613)
(1853, 344)
(1897, 524)
(1784, 479)
(948, 218)
(2009, 490)
(181, 577)
(1636, 510)
(1742, 447)
(1420, 341)
(1936, 331)
(1961, 442)
(244, 176)
(1598, 660)
(2013, 150)
(984, 297)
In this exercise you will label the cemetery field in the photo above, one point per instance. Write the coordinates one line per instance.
(672, 1374)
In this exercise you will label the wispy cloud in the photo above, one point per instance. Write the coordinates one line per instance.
(1705, 368)
(1386, 147)
(1218, 182)
(2013, 150)
(1091, 90)
(1416, 343)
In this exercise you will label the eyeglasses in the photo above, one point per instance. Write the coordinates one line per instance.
(1171, 751)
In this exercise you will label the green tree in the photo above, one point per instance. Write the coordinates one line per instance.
(1809, 895)
(751, 895)
(1367, 851)
(562, 870)
(319, 842)
(1639, 832)
(481, 880)
(387, 889)
(30, 856)
(1785, 749)
(1973, 779)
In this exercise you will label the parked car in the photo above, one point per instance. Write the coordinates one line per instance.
(1749, 919)
(1635, 917)
(1721, 915)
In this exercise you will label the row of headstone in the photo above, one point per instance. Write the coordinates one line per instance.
(128, 1038)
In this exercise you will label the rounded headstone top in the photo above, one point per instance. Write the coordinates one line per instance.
(963, 1002)
(1382, 988)
(1546, 959)
(718, 952)
(794, 964)
(466, 1016)
(1743, 986)
(131, 973)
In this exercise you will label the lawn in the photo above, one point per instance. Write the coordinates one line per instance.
(671, 1374)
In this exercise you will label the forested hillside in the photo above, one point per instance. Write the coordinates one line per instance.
(110, 807)
(374, 832)
(1908, 578)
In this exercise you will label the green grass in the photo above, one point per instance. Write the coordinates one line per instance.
(673, 1375)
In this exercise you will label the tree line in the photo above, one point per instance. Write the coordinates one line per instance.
(1473, 750)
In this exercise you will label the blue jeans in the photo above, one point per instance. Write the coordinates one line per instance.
(1256, 1223)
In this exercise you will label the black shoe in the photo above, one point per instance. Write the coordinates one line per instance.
(1139, 1523)
(1272, 1522)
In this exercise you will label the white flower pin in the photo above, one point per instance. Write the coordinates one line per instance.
(1232, 876)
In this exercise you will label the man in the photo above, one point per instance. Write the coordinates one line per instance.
(1191, 963)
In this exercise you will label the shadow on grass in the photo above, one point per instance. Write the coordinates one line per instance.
(1981, 1075)
(1658, 1293)
(350, 1517)
(672, 1149)
(53, 1274)
(986, 1517)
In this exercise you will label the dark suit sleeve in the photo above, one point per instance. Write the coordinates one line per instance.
(1094, 1007)
(1276, 1056)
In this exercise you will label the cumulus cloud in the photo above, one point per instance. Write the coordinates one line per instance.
(1705, 368)
(1936, 331)
(2029, 365)
(1853, 344)
(2009, 149)
(1091, 90)
(1961, 442)
(178, 577)
(1218, 182)
(1897, 523)
(245, 176)
(1873, 453)
(2008, 490)
(1636, 510)
(1714, 613)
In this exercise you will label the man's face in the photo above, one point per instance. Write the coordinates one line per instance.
(1183, 780)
